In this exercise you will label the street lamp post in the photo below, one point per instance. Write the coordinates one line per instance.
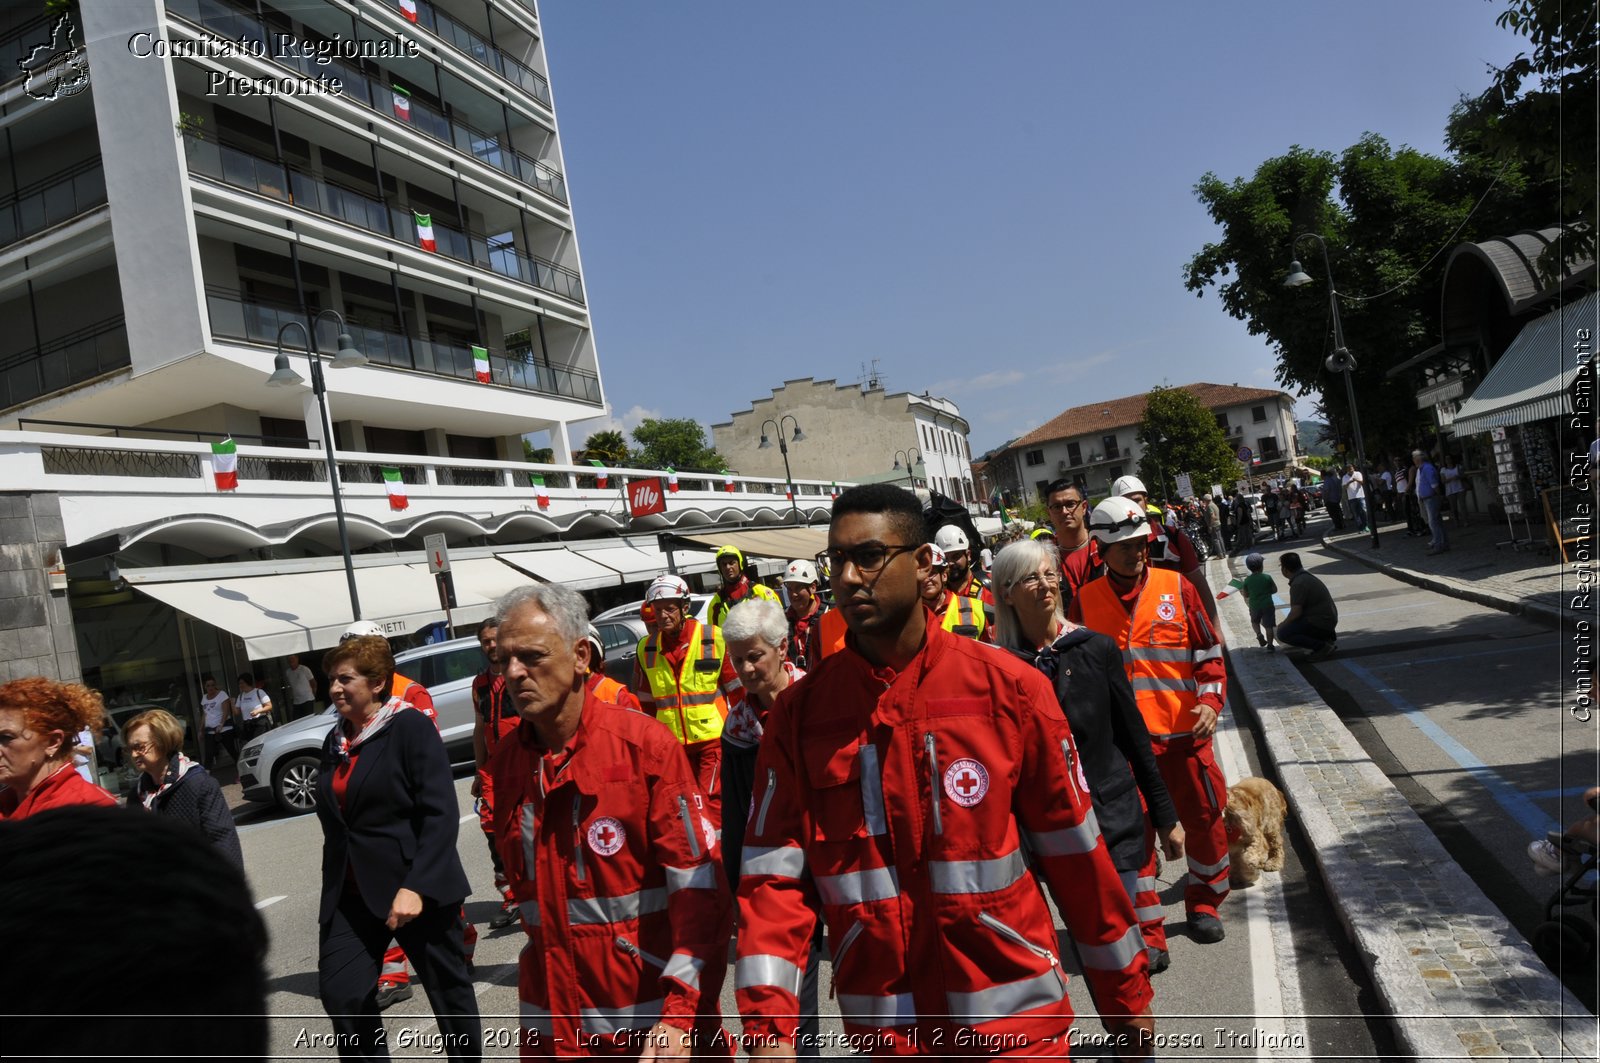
(911, 455)
(1340, 361)
(283, 377)
(783, 448)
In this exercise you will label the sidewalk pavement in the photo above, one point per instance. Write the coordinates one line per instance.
(1455, 976)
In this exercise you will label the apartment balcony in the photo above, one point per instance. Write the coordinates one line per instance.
(234, 317)
(72, 359)
(478, 49)
(252, 173)
(492, 149)
(51, 200)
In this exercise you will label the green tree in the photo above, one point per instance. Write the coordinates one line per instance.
(676, 441)
(609, 446)
(541, 455)
(1180, 435)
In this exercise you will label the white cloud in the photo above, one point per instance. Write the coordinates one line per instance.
(578, 431)
(1000, 378)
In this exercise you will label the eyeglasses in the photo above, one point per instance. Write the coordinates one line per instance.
(868, 557)
(1037, 580)
(667, 605)
(1064, 507)
(139, 749)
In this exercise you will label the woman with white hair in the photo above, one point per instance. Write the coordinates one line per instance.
(757, 633)
(1093, 688)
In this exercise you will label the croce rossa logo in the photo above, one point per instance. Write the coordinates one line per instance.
(56, 67)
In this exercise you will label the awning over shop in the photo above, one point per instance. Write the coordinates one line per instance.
(1529, 382)
(638, 562)
(562, 566)
(786, 544)
(483, 578)
(295, 612)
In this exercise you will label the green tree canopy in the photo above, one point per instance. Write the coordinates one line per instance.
(1180, 435)
(609, 446)
(679, 442)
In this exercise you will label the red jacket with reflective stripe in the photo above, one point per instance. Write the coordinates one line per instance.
(618, 876)
(924, 804)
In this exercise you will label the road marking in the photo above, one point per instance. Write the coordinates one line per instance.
(1545, 795)
(1373, 612)
(1516, 804)
(1467, 656)
(269, 901)
(468, 817)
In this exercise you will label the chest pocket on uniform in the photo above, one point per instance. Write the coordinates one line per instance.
(846, 776)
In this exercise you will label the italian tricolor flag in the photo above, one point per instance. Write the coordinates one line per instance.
(788, 492)
(833, 490)
(396, 488)
(602, 477)
(402, 103)
(480, 358)
(672, 480)
(225, 465)
(727, 481)
(426, 241)
(408, 8)
(541, 493)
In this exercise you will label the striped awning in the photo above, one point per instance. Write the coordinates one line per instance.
(1529, 382)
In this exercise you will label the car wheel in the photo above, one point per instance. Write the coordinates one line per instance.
(296, 784)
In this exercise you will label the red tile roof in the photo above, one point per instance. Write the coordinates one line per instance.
(1096, 417)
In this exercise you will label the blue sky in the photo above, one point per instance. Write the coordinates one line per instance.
(994, 201)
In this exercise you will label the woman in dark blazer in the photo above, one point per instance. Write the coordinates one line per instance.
(170, 784)
(389, 814)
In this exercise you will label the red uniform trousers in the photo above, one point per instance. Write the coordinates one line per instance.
(705, 760)
(1199, 793)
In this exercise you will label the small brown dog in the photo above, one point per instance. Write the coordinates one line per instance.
(1254, 818)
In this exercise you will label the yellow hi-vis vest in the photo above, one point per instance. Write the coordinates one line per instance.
(690, 702)
(1154, 640)
(963, 616)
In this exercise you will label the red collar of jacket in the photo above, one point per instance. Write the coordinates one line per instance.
(589, 774)
(936, 642)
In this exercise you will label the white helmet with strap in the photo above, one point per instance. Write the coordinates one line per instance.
(1116, 519)
(667, 586)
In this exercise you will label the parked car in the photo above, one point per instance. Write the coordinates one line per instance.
(699, 608)
(620, 636)
(281, 765)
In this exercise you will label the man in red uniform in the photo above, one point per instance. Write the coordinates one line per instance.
(1065, 506)
(601, 685)
(951, 611)
(1169, 546)
(958, 576)
(1175, 664)
(493, 720)
(736, 586)
(920, 779)
(606, 843)
(805, 608)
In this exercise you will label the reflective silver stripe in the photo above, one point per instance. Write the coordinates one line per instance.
(1152, 885)
(783, 861)
(530, 912)
(607, 1021)
(1144, 915)
(1002, 1001)
(394, 968)
(703, 877)
(1206, 870)
(897, 1009)
(587, 911)
(733, 684)
(1144, 682)
(1115, 956)
(1156, 653)
(1209, 688)
(530, 842)
(536, 1018)
(976, 876)
(766, 970)
(685, 968)
(766, 800)
(872, 791)
(858, 887)
(688, 826)
(1211, 654)
(709, 697)
(1068, 841)
(1220, 886)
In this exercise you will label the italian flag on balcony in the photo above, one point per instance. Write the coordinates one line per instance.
(833, 489)
(396, 488)
(788, 492)
(672, 480)
(408, 8)
(603, 477)
(425, 238)
(541, 493)
(480, 364)
(727, 481)
(225, 465)
(402, 103)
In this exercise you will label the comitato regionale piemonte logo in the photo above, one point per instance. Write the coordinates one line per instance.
(56, 67)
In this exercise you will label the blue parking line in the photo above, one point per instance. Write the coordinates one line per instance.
(1519, 806)
(1546, 795)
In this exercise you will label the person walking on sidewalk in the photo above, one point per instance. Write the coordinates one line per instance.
(1313, 619)
(1258, 590)
(1430, 492)
(1332, 496)
(1455, 489)
(1355, 492)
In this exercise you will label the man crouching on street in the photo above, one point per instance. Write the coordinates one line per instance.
(609, 853)
(916, 775)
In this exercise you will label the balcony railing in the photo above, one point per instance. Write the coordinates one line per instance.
(321, 196)
(83, 355)
(52, 200)
(482, 51)
(225, 20)
(237, 318)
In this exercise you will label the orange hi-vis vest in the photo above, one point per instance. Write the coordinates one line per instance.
(963, 616)
(689, 702)
(1154, 640)
(606, 689)
(831, 630)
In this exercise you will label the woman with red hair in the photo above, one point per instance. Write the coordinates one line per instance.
(39, 718)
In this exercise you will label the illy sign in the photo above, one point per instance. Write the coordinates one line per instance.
(646, 497)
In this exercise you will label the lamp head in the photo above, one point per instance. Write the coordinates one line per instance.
(282, 376)
(897, 459)
(1296, 277)
(765, 444)
(1341, 361)
(799, 436)
(347, 357)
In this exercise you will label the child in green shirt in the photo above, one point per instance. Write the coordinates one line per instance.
(1258, 591)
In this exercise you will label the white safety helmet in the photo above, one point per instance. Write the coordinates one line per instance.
(667, 586)
(800, 571)
(361, 629)
(1128, 485)
(938, 557)
(951, 539)
(1116, 519)
(598, 659)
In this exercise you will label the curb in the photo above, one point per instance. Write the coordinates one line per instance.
(1455, 977)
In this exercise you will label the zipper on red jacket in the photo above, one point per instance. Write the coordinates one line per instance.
(688, 826)
(640, 954)
(1038, 950)
(1072, 773)
(933, 779)
(577, 837)
(766, 801)
(845, 943)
